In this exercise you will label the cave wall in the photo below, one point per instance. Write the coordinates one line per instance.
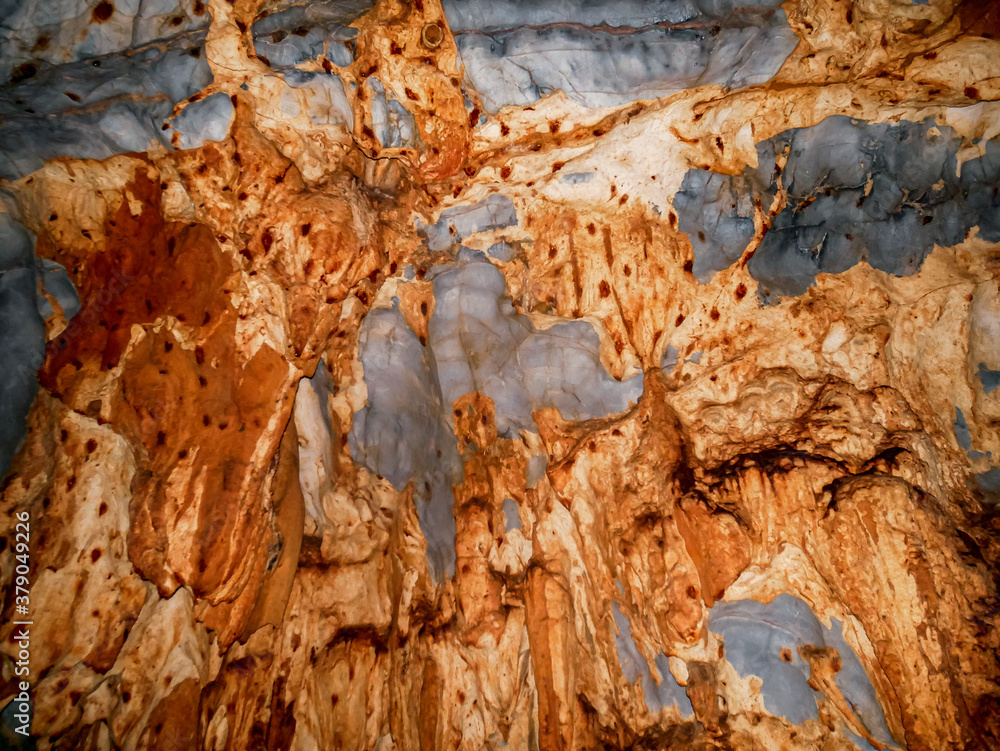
(525, 375)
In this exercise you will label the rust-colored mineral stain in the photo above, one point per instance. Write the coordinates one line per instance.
(102, 11)
(980, 18)
(430, 706)
(23, 72)
(544, 662)
(150, 268)
(432, 35)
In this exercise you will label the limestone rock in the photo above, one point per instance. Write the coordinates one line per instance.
(500, 375)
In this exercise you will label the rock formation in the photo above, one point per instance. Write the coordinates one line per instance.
(452, 374)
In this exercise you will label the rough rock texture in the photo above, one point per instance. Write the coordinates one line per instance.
(484, 375)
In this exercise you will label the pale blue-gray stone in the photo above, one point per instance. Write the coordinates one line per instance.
(98, 108)
(755, 636)
(56, 282)
(204, 120)
(716, 212)
(22, 329)
(472, 15)
(502, 252)
(116, 94)
(669, 360)
(634, 665)
(459, 222)
(989, 378)
(67, 31)
(535, 470)
(511, 515)
(404, 432)
(881, 192)
(393, 124)
(22, 348)
(962, 434)
(477, 342)
(989, 484)
(481, 343)
(601, 67)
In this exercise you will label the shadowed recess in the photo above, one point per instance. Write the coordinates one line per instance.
(23, 311)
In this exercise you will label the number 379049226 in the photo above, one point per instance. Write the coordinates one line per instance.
(21, 539)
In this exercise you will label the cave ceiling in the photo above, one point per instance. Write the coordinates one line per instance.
(500, 374)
